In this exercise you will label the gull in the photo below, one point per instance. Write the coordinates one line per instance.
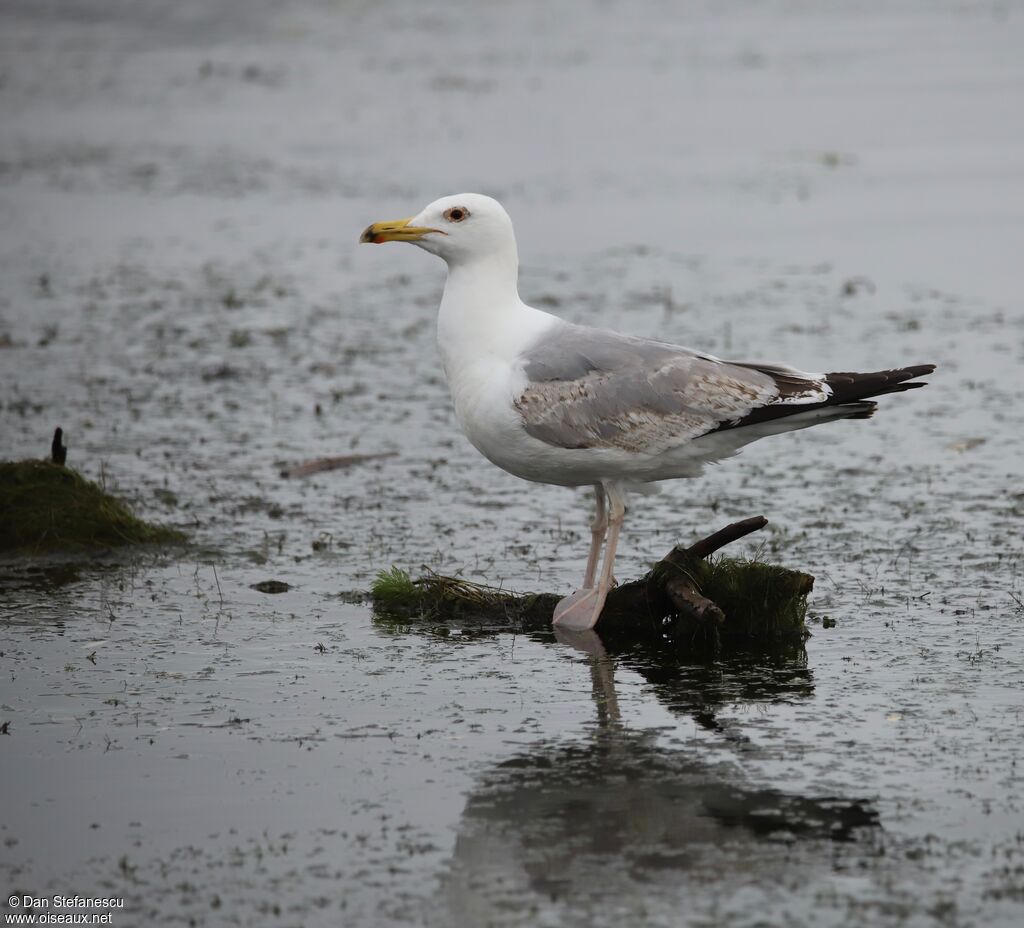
(565, 404)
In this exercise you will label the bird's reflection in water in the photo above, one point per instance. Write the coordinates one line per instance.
(618, 823)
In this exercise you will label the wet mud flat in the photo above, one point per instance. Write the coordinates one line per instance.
(180, 294)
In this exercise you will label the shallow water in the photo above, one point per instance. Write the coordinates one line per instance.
(181, 292)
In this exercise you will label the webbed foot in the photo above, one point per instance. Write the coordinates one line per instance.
(580, 611)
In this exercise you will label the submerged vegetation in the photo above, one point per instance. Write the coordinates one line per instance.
(434, 596)
(45, 506)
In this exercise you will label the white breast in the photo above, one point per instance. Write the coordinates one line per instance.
(480, 339)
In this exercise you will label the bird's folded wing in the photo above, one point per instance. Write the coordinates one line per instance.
(590, 388)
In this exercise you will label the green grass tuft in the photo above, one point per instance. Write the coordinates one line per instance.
(48, 507)
(394, 588)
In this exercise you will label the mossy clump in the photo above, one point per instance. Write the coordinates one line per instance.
(764, 605)
(49, 507)
(760, 601)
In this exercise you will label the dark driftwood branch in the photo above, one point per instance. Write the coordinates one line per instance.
(723, 537)
(672, 588)
(679, 584)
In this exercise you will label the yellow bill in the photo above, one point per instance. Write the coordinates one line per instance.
(396, 230)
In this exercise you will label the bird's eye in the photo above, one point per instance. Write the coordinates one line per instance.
(456, 214)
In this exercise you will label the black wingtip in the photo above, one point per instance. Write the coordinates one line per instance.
(848, 386)
(851, 393)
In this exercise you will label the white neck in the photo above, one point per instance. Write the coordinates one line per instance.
(481, 316)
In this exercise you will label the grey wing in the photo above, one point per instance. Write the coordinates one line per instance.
(590, 388)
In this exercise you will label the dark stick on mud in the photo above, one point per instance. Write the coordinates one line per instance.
(58, 451)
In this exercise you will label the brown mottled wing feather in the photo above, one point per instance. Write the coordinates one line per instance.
(589, 388)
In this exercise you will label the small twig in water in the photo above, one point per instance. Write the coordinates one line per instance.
(333, 463)
(217, 579)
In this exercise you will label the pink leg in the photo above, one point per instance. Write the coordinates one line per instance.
(583, 608)
(598, 527)
(597, 530)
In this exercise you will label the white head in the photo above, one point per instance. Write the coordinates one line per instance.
(461, 229)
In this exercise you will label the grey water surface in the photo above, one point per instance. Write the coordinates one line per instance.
(182, 185)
